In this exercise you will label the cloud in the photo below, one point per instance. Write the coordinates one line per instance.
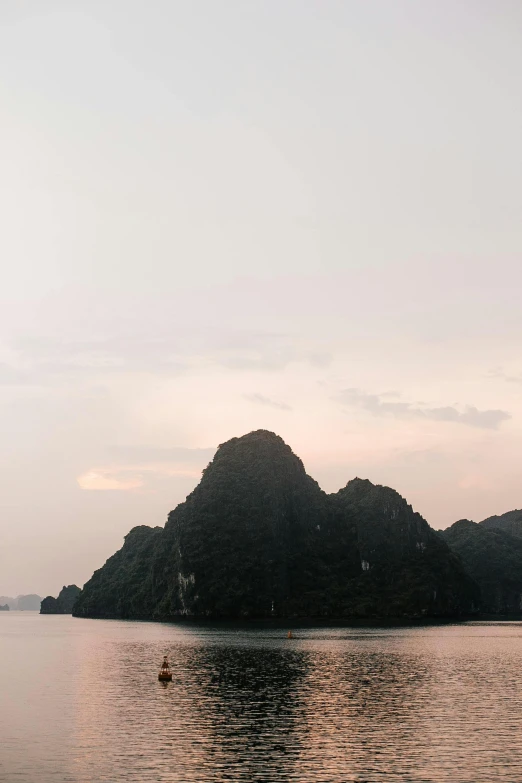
(497, 372)
(475, 481)
(260, 399)
(133, 477)
(12, 376)
(261, 351)
(101, 480)
(131, 467)
(165, 353)
(153, 454)
(48, 356)
(471, 416)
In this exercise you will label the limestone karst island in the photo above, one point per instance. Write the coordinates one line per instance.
(258, 538)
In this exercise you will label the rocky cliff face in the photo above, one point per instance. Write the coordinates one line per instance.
(259, 538)
(493, 557)
(407, 569)
(126, 586)
(63, 604)
(388, 530)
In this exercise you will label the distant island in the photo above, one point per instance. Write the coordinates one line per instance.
(258, 538)
(63, 604)
(23, 603)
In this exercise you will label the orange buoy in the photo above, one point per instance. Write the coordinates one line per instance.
(164, 673)
(289, 635)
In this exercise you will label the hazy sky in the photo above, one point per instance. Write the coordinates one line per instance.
(225, 215)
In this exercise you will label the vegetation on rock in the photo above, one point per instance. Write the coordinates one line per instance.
(259, 538)
(493, 557)
(63, 604)
(407, 568)
(126, 586)
(511, 522)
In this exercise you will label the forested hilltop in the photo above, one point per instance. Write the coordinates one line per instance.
(508, 523)
(259, 538)
(63, 604)
(491, 551)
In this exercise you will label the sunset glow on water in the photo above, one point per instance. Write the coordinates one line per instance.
(82, 703)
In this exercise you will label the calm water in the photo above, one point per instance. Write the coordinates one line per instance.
(80, 702)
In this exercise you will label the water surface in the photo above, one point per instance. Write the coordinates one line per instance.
(81, 703)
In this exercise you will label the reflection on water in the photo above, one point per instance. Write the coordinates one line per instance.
(82, 703)
(248, 699)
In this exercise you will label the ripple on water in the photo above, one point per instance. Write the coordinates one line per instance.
(83, 703)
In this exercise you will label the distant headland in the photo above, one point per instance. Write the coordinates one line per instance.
(63, 604)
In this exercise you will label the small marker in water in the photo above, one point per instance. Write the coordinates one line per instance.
(165, 675)
(289, 635)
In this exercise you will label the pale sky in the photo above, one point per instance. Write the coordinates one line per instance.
(226, 215)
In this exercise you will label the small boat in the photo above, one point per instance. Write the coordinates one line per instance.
(164, 673)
